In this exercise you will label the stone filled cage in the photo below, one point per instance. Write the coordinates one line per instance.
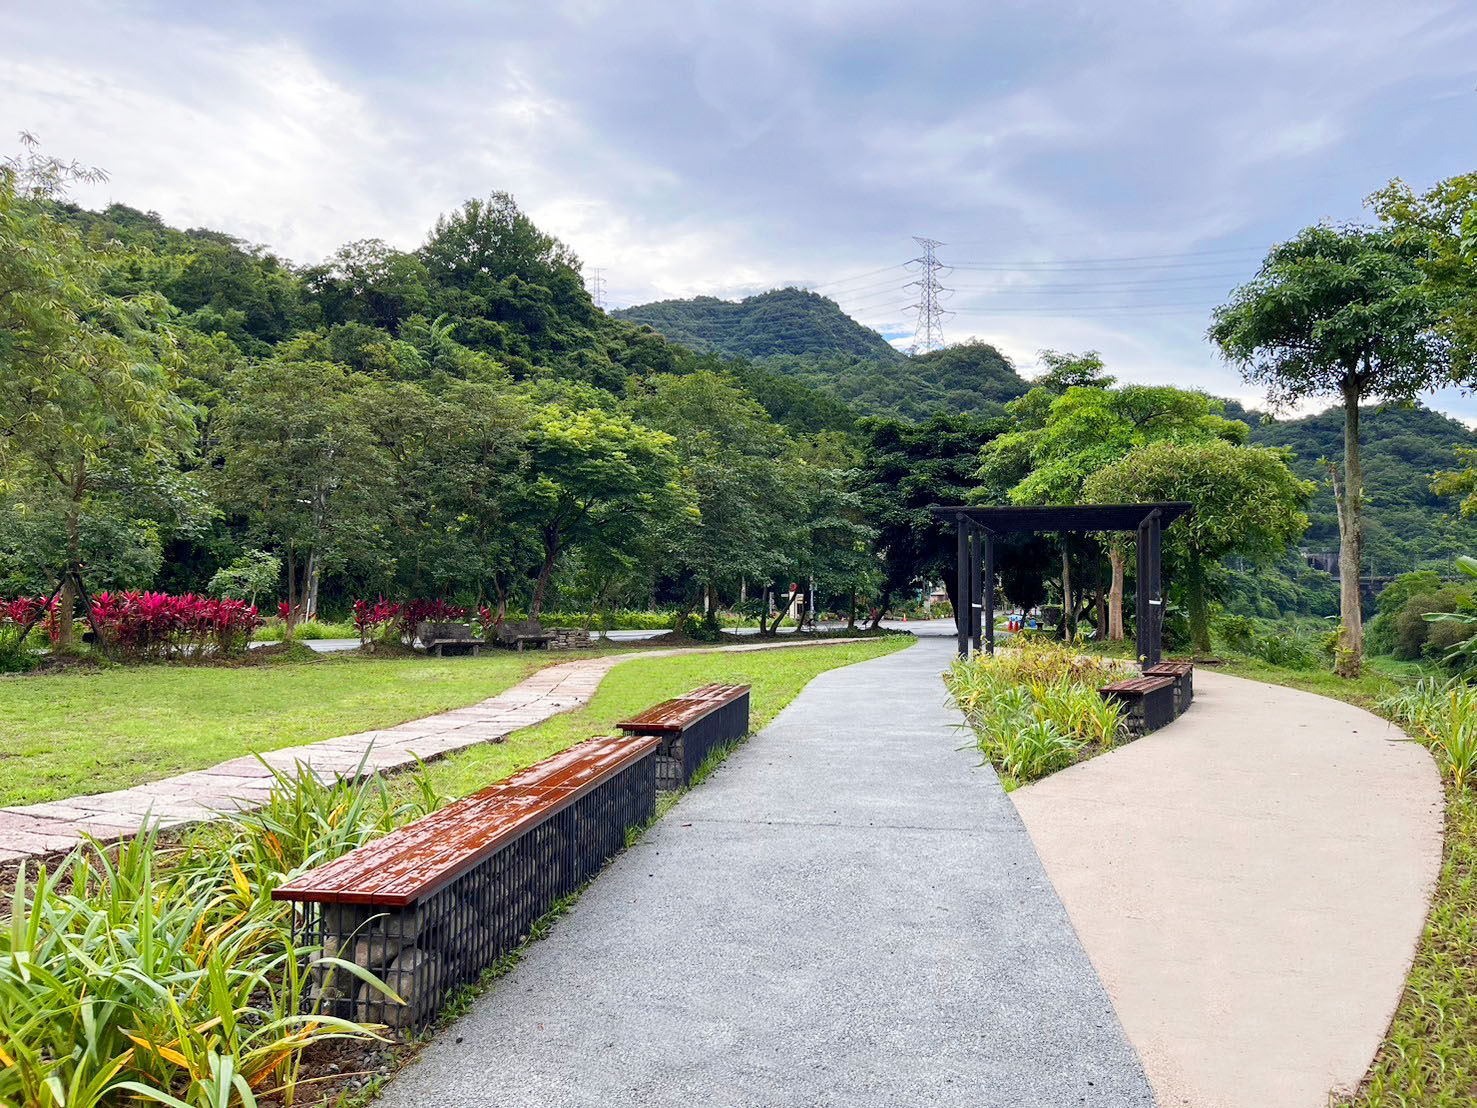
(448, 934)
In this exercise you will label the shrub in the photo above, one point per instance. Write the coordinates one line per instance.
(153, 626)
(16, 655)
(173, 976)
(1445, 714)
(254, 572)
(1035, 709)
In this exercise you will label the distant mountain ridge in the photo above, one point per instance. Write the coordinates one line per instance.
(807, 337)
(781, 321)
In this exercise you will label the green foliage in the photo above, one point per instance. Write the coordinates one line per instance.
(970, 377)
(178, 978)
(254, 573)
(1246, 502)
(1295, 646)
(781, 321)
(1035, 709)
(1405, 522)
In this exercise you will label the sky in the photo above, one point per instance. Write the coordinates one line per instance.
(1101, 174)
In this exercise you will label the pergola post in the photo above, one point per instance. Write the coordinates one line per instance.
(962, 586)
(989, 590)
(1149, 600)
(976, 589)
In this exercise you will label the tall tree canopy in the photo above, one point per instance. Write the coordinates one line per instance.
(1247, 502)
(1337, 311)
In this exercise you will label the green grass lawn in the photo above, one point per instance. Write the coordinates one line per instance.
(777, 675)
(82, 732)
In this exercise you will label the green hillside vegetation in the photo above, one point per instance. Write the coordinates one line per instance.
(781, 321)
(971, 377)
(1408, 525)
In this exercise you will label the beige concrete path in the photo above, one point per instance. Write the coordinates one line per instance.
(36, 829)
(1250, 883)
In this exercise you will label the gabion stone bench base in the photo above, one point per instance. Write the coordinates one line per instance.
(690, 728)
(1184, 681)
(433, 903)
(1149, 701)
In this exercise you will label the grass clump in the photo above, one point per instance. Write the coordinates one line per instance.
(1036, 709)
(144, 974)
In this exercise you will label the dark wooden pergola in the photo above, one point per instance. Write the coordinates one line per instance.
(977, 528)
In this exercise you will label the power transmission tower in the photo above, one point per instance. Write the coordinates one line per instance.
(929, 334)
(597, 287)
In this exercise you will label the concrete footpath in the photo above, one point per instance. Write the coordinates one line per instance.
(1250, 882)
(849, 912)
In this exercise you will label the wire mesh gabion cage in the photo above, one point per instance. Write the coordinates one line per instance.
(691, 727)
(458, 926)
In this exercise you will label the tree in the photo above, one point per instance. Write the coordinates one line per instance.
(300, 462)
(742, 473)
(1089, 427)
(1072, 371)
(1246, 502)
(597, 476)
(907, 469)
(87, 377)
(1442, 222)
(1338, 311)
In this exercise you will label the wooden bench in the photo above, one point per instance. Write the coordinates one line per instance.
(1149, 701)
(518, 633)
(430, 905)
(1184, 681)
(435, 637)
(690, 727)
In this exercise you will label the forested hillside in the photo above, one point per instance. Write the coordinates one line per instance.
(781, 321)
(807, 337)
(1406, 524)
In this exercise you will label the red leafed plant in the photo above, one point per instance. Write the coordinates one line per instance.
(415, 612)
(371, 619)
(155, 625)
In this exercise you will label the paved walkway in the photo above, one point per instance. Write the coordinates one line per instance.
(849, 912)
(36, 829)
(1250, 882)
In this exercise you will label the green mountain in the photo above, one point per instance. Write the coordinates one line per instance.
(782, 321)
(1406, 524)
(971, 377)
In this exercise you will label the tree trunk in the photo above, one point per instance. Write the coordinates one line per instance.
(1115, 592)
(851, 611)
(291, 591)
(1199, 609)
(1349, 496)
(551, 555)
(66, 607)
(881, 610)
(310, 586)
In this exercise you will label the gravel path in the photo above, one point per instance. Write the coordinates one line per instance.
(849, 912)
(32, 830)
(1251, 882)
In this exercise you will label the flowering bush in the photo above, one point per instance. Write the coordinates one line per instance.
(156, 625)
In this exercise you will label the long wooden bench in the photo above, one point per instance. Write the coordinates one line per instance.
(430, 905)
(690, 727)
(1184, 681)
(1149, 701)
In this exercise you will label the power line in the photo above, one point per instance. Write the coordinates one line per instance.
(597, 287)
(857, 276)
(929, 333)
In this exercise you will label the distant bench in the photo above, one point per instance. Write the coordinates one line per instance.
(690, 727)
(515, 634)
(1149, 701)
(433, 903)
(436, 637)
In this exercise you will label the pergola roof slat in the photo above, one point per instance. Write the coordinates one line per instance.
(1069, 517)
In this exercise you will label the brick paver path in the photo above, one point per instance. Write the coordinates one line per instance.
(56, 825)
